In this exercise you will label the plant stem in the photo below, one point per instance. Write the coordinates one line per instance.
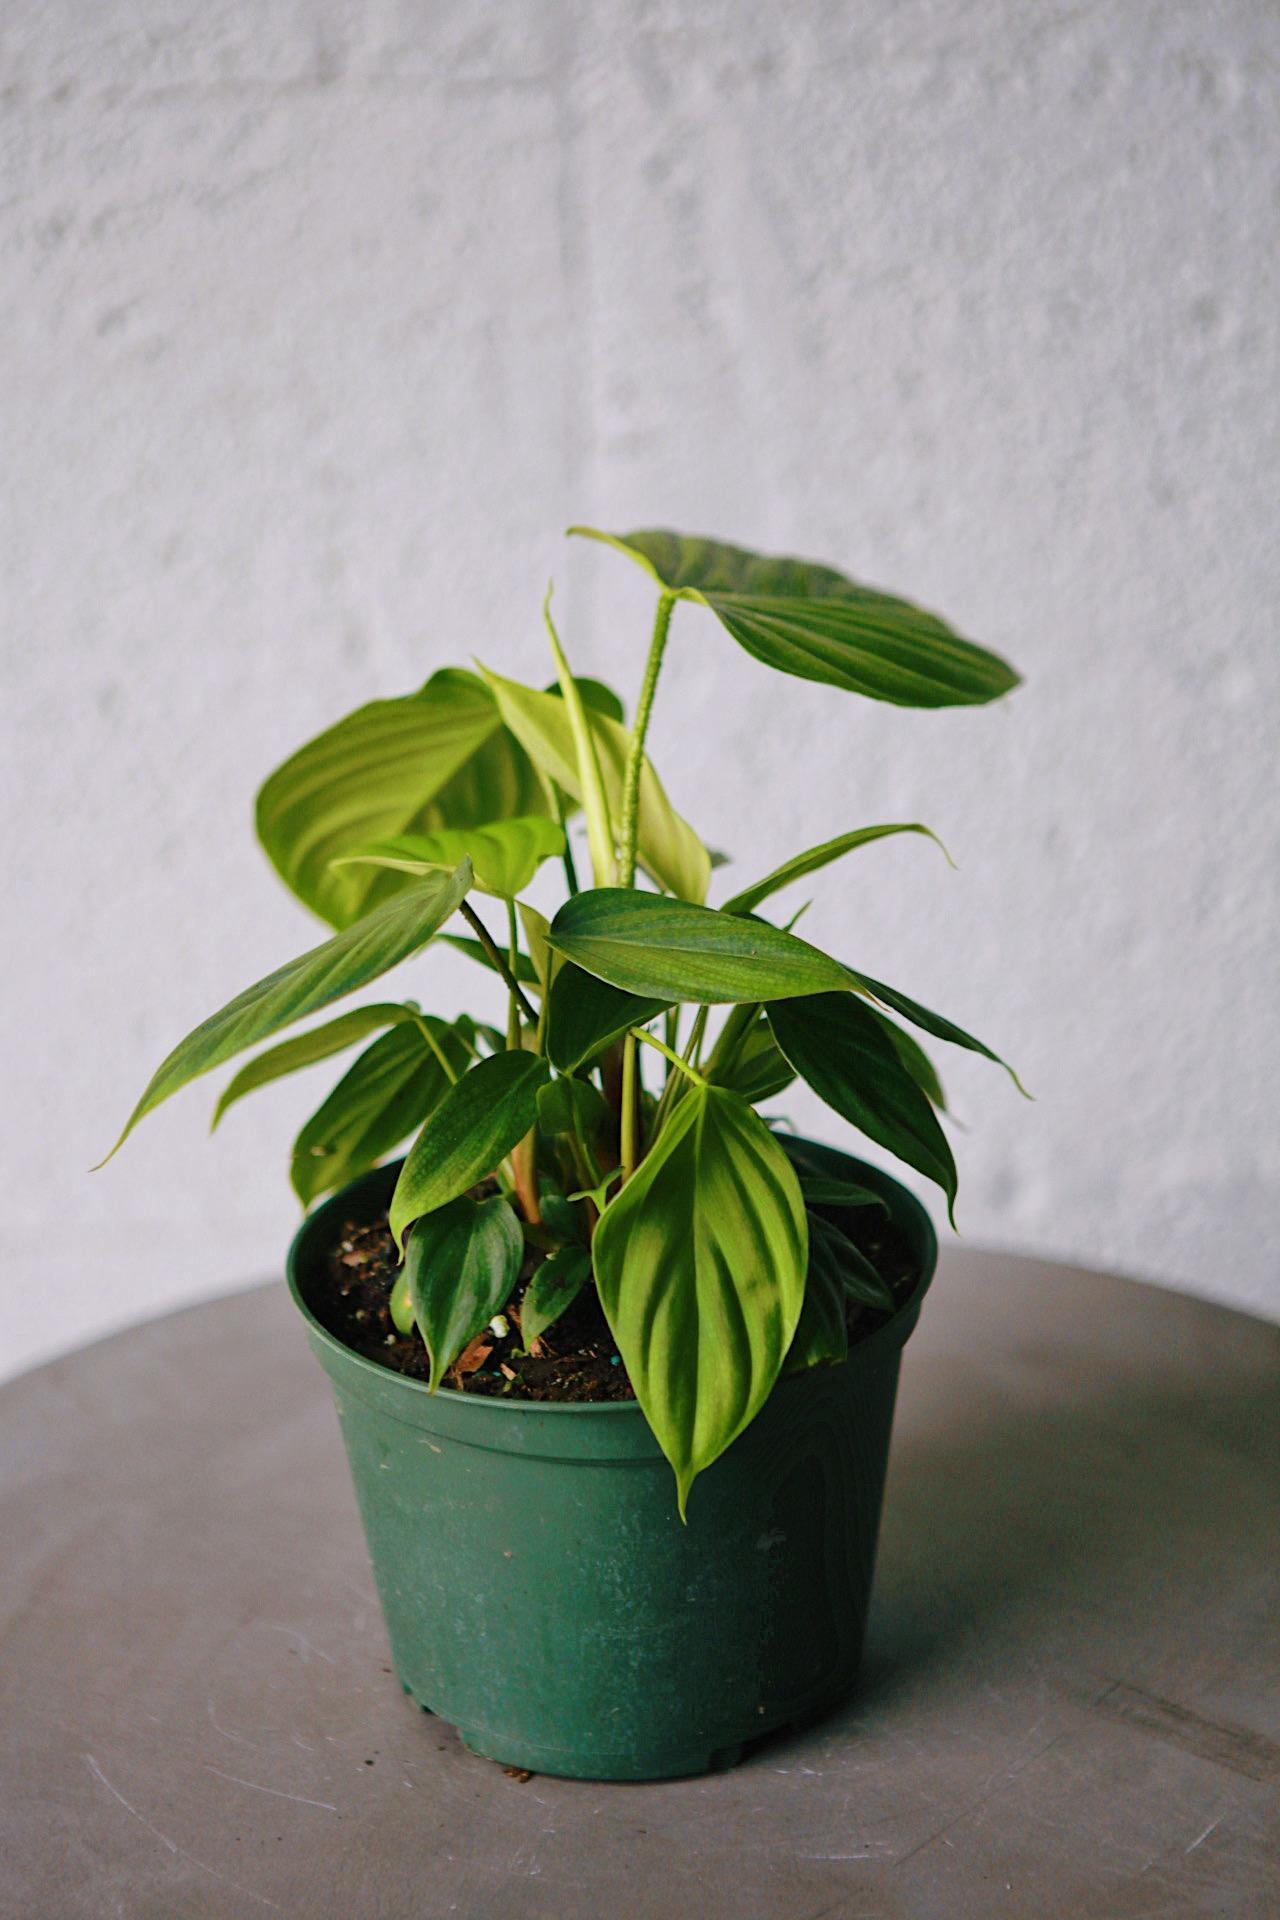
(635, 758)
(446, 1065)
(595, 801)
(525, 1175)
(513, 948)
(628, 1107)
(494, 952)
(675, 1085)
(652, 1040)
(570, 865)
(671, 1034)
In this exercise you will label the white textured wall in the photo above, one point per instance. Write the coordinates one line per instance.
(319, 321)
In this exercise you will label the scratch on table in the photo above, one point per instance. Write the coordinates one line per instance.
(277, 1793)
(1205, 1835)
(226, 1732)
(172, 1845)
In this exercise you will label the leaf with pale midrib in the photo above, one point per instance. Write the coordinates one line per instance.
(817, 857)
(384, 1096)
(461, 1264)
(587, 1015)
(504, 854)
(810, 621)
(669, 849)
(472, 1130)
(840, 1049)
(700, 1264)
(354, 957)
(305, 1049)
(672, 950)
(440, 757)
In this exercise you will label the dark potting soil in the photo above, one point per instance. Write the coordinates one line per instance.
(576, 1358)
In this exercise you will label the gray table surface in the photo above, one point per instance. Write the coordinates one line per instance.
(1070, 1704)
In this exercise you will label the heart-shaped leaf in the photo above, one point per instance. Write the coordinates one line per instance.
(669, 950)
(387, 935)
(334, 1036)
(384, 1096)
(750, 897)
(555, 1285)
(669, 850)
(471, 1131)
(440, 757)
(504, 854)
(700, 1265)
(811, 621)
(587, 1015)
(461, 1263)
(839, 1048)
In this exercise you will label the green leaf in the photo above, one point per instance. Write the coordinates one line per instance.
(590, 787)
(574, 1106)
(504, 854)
(536, 928)
(862, 1283)
(750, 897)
(758, 1069)
(384, 1096)
(306, 1048)
(461, 1263)
(387, 935)
(587, 1015)
(471, 1131)
(936, 1024)
(700, 1265)
(838, 1272)
(840, 1049)
(669, 950)
(599, 1194)
(821, 1192)
(822, 1336)
(595, 695)
(440, 757)
(813, 622)
(669, 850)
(914, 1059)
(555, 1285)
(525, 971)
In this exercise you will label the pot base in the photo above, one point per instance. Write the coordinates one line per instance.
(531, 1757)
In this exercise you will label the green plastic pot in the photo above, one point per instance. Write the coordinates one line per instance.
(540, 1592)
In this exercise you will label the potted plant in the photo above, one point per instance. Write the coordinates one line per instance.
(615, 1358)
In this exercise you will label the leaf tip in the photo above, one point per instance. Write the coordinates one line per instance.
(98, 1165)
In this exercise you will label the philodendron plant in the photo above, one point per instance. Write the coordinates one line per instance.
(668, 1193)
